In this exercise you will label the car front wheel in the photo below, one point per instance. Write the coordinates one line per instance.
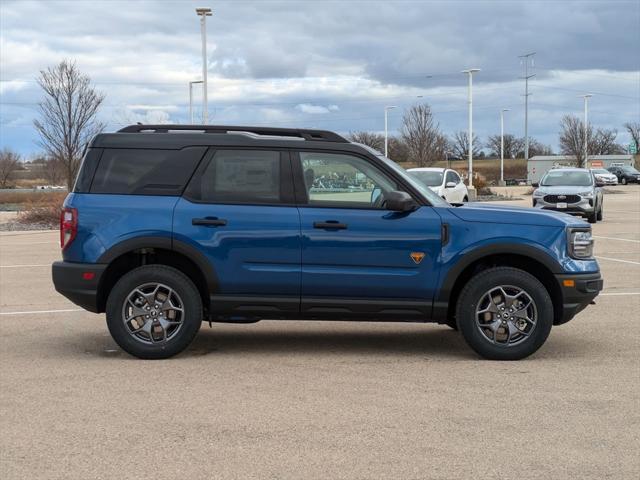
(504, 313)
(154, 311)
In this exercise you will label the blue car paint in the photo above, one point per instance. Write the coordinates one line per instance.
(372, 256)
(275, 250)
(106, 220)
(256, 253)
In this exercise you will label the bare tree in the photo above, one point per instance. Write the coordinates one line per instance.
(603, 142)
(459, 144)
(54, 171)
(9, 162)
(535, 148)
(422, 135)
(398, 149)
(512, 145)
(634, 130)
(373, 140)
(572, 137)
(68, 115)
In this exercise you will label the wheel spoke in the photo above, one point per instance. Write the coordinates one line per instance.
(158, 301)
(511, 305)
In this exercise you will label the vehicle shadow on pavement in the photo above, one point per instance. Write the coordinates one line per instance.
(441, 342)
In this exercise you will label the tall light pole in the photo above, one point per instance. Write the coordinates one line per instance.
(586, 127)
(386, 128)
(470, 72)
(502, 145)
(526, 101)
(191, 99)
(203, 13)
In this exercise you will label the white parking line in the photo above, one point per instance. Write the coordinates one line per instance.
(51, 242)
(616, 294)
(617, 260)
(620, 239)
(31, 312)
(24, 266)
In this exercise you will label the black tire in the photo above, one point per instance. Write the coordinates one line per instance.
(474, 291)
(465, 199)
(623, 181)
(600, 213)
(593, 218)
(181, 285)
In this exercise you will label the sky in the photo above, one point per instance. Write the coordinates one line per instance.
(332, 65)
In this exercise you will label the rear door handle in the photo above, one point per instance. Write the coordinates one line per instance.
(209, 222)
(330, 224)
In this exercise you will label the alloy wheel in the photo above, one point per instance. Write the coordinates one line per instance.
(506, 315)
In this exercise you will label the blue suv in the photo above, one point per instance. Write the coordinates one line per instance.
(170, 225)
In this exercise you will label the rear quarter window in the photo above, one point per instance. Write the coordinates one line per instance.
(145, 171)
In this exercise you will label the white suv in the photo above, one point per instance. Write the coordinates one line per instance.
(443, 181)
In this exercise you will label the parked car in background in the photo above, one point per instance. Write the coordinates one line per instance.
(444, 182)
(605, 176)
(570, 190)
(625, 174)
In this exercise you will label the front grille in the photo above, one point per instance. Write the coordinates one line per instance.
(562, 198)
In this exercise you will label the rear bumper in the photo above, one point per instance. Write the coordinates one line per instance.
(78, 282)
(575, 299)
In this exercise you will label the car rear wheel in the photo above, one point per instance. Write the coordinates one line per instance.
(154, 311)
(504, 313)
(623, 181)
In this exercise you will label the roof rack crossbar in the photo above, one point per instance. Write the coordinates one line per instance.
(311, 135)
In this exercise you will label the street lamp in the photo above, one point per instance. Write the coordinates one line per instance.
(471, 71)
(386, 130)
(203, 13)
(191, 99)
(586, 127)
(502, 145)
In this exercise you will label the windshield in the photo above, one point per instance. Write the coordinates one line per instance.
(628, 169)
(430, 179)
(600, 171)
(567, 179)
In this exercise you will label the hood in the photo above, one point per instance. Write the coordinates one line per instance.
(487, 213)
(564, 189)
(605, 175)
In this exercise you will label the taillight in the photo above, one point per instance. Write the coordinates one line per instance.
(68, 226)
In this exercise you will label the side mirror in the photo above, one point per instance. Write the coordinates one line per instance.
(375, 194)
(399, 202)
(450, 185)
(535, 185)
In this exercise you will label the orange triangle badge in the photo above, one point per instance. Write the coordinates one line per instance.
(416, 257)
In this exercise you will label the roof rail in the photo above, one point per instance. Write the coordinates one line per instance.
(314, 135)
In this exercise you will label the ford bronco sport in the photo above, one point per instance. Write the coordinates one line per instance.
(168, 226)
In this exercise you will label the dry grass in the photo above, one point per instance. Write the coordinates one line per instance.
(35, 196)
(44, 210)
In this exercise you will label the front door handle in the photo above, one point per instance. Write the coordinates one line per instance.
(209, 222)
(330, 224)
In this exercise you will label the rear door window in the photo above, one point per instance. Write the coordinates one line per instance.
(243, 176)
(145, 172)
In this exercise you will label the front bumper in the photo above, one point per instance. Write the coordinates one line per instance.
(585, 289)
(78, 282)
(584, 207)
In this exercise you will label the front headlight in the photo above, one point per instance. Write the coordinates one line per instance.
(580, 243)
(538, 193)
(586, 194)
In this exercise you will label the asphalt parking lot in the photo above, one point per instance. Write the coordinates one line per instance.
(319, 400)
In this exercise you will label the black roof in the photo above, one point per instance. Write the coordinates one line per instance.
(179, 136)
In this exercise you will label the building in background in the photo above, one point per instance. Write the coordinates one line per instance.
(540, 164)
